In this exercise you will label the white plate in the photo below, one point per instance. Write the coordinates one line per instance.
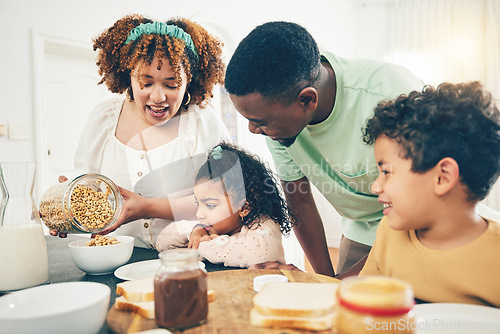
(143, 269)
(453, 318)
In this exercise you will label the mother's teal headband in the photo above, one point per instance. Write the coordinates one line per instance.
(161, 28)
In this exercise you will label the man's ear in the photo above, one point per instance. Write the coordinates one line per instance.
(308, 98)
(447, 176)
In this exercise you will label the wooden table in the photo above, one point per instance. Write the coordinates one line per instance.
(229, 312)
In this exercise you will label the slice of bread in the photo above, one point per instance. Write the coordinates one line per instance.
(296, 299)
(308, 323)
(142, 290)
(137, 296)
(138, 290)
(145, 309)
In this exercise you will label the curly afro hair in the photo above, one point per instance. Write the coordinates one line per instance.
(457, 121)
(247, 178)
(116, 61)
(277, 60)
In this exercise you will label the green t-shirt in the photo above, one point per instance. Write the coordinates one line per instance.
(332, 154)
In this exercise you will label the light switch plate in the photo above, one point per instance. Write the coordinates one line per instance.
(3, 130)
(19, 131)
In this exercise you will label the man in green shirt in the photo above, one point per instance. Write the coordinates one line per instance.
(312, 108)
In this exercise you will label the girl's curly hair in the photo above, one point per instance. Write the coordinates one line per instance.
(260, 190)
(116, 61)
(459, 121)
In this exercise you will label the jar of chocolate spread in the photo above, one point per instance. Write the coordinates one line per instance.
(180, 289)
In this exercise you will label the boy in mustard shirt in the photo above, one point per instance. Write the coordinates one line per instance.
(438, 154)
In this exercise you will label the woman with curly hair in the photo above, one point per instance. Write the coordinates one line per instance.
(241, 212)
(152, 142)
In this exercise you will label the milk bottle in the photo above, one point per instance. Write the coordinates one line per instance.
(23, 251)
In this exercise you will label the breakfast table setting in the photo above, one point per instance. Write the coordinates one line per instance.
(233, 288)
(228, 313)
(63, 269)
(234, 292)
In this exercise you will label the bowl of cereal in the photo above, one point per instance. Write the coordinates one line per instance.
(101, 255)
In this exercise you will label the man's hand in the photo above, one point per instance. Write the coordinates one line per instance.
(274, 265)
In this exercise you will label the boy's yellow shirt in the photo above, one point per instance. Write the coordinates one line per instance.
(466, 274)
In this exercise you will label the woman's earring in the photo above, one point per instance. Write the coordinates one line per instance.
(244, 211)
(188, 99)
(130, 94)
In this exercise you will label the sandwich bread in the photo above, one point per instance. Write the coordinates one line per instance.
(137, 296)
(145, 309)
(307, 323)
(138, 290)
(308, 306)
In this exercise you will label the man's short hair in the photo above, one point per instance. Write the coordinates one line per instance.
(276, 60)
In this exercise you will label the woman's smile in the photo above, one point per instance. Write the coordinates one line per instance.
(157, 112)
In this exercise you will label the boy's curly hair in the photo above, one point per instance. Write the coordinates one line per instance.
(458, 121)
(116, 60)
(277, 60)
(264, 200)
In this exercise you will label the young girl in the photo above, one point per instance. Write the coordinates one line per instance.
(241, 212)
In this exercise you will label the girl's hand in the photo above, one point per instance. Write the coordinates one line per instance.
(198, 234)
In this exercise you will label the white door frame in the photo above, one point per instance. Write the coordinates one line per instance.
(41, 44)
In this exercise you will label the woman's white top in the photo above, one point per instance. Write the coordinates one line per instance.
(166, 171)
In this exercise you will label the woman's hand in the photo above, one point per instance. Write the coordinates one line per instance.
(274, 265)
(52, 231)
(132, 209)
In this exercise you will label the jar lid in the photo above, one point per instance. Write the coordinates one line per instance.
(179, 255)
(376, 292)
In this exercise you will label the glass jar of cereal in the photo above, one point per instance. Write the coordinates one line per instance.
(89, 203)
(375, 304)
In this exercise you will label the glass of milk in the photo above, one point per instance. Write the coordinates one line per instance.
(23, 251)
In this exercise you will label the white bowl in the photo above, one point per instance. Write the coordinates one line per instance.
(60, 308)
(100, 260)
